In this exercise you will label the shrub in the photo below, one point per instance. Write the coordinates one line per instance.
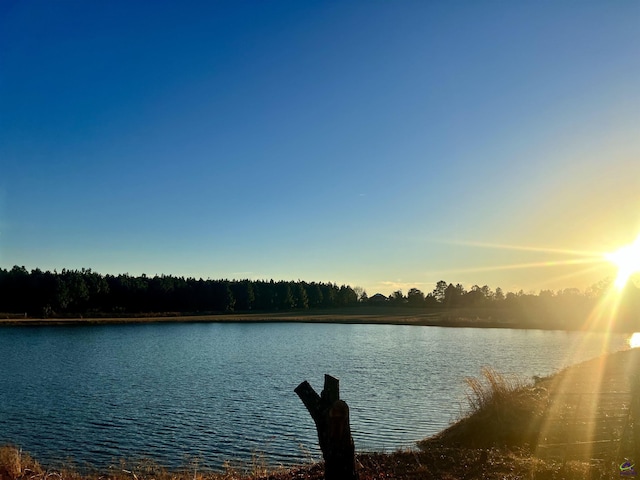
(503, 411)
(15, 464)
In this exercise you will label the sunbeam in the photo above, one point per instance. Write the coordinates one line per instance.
(501, 246)
(592, 260)
(541, 264)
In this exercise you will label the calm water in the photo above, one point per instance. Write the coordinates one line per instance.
(215, 392)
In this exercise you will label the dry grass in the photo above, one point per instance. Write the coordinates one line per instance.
(492, 390)
(16, 464)
(503, 411)
(437, 462)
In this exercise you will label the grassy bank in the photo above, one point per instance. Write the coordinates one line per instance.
(548, 429)
(484, 317)
(436, 463)
(360, 315)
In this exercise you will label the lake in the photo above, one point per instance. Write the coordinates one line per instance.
(224, 391)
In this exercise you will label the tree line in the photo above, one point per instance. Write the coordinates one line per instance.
(450, 295)
(569, 308)
(85, 292)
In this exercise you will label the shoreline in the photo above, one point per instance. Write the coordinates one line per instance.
(371, 315)
(459, 318)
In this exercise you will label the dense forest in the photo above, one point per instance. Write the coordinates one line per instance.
(39, 293)
(84, 292)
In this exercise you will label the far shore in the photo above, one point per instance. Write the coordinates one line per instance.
(370, 315)
(362, 315)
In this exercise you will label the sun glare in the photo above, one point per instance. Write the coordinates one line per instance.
(627, 259)
(634, 341)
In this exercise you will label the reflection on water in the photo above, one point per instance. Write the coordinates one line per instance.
(224, 391)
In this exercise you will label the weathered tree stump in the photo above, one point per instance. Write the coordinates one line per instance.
(331, 416)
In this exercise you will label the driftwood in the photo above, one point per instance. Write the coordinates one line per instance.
(331, 416)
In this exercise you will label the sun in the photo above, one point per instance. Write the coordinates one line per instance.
(627, 259)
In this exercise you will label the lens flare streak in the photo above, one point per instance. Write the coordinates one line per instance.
(542, 264)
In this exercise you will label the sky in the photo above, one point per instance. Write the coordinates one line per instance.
(379, 144)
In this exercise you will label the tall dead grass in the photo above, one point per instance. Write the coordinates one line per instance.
(17, 465)
(14, 464)
(503, 411)
(492, 390)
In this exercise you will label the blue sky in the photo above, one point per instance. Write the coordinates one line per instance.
(380, 144)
